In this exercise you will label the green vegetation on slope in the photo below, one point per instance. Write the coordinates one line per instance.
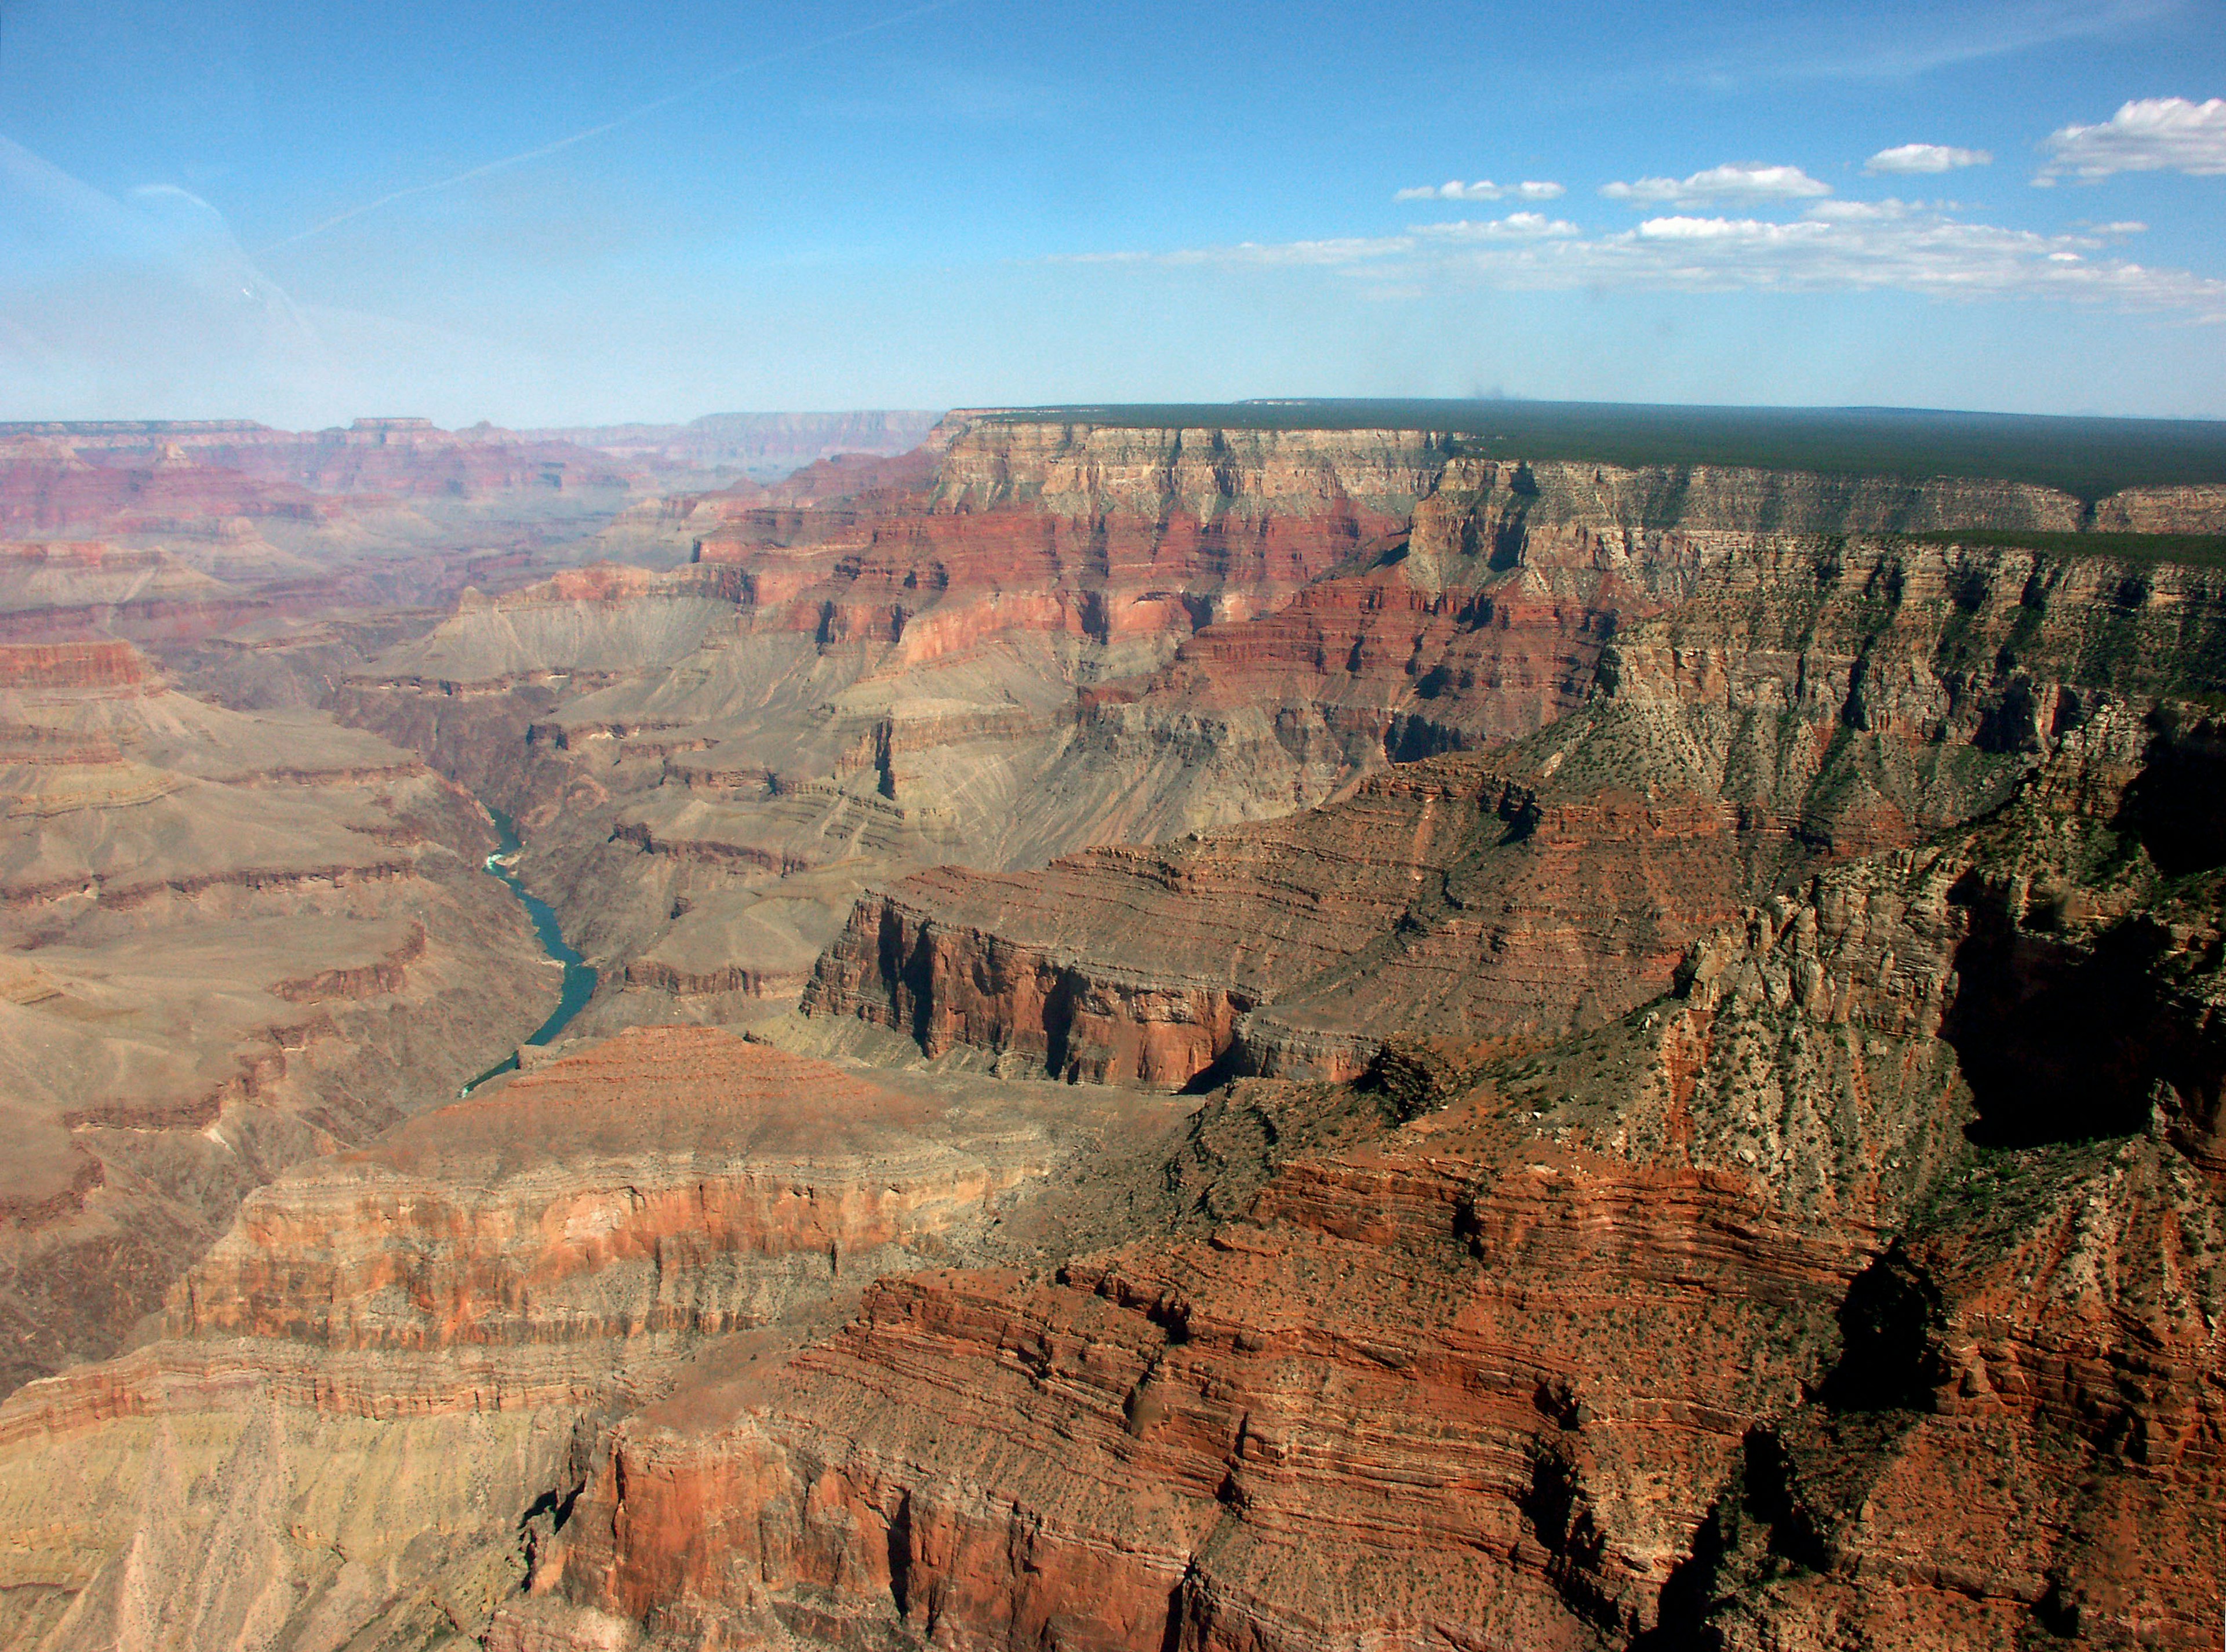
(2196, 550)
(2091, 458)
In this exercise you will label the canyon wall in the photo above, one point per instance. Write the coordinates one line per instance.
(233, 941)
(1683, 1331)
(1704, 1000)
(364, 1403)
(1760, 708)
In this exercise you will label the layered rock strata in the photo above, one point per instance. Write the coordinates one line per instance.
(1030, 637)
(231, 941)
(369, 1397)
(1698, 1146)
(1684, 1331)
(1780, 705)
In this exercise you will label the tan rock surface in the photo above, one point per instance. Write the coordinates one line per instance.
(1743, 1173)
(237, 940)
(372, 1391)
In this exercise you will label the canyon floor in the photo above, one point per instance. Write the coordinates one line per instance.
(1225, 1031)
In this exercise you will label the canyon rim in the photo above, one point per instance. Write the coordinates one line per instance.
(1247, 1028)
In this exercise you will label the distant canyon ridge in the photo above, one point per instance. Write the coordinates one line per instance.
(1254, 1028)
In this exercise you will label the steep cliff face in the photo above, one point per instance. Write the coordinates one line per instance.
(1767, 706)
(667, 1181)
(1618, 1347)
(374, 1397)
(1029, 637)
(1446, 887)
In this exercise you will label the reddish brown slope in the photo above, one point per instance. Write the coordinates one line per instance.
(1614, 1351)
(1794, 702)
(1448, 886)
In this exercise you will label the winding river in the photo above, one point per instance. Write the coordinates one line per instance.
(579, 976)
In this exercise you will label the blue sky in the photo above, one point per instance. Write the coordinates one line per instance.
(303, 213)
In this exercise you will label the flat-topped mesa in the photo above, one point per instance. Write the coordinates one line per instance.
(670, 1180)
(1496, 581)
(46, 488)
(74, 665)
(1083, 471)
(1113, 531)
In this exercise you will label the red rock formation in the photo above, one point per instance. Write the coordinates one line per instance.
(395, 457)
(719, 1177)
(45, 488)
(1613, 1347)
(1780, 705)
(1441, 893)
(1772, 1183)
(72, 665)
(373, 1383)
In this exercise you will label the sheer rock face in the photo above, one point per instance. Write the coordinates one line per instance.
(1110, 536)
(375, 1394)
(1396, 1398)
(1764, 707)
(1143, 965)
(1027, 638)
(1712, 1323)
(673, 1180)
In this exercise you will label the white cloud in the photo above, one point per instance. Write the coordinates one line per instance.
(1739, 182)
(1925, 157)
(1516, 226)
(1859, 210)
(1834, 247)
(1336, 253)
(1484, 189)
(2147, 134)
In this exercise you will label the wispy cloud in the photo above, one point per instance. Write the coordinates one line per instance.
(1338, 252)
(1833, 246)
(1516, 226)
(626, 118)
(1484, 189)
(1738, 181)
(1897, 40)
(2147, 134)
(1925, 157)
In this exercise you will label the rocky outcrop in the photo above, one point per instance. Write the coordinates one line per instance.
(1445, 886)
(372, 1396)
(1620, 1347)
(669, 1181)
(72, 665)
(1763, 707)
(47, 488)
